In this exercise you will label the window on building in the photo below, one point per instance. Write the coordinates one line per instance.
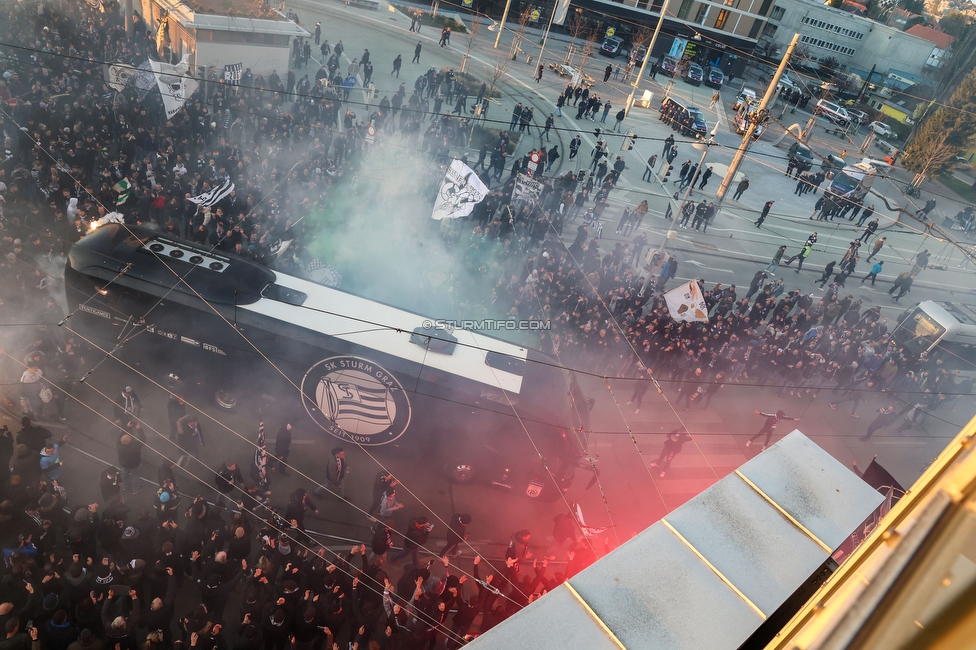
(723, 15)
(701, 14)
(777, 13)
(769, 31)
(765, 7)
(684, 9)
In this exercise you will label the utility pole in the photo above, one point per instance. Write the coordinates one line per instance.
(501, 26)
(647, 55)
(760, 113)
(552, 16)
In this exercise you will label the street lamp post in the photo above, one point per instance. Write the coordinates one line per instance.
(501, 26)
(704, 145)
(647, 55)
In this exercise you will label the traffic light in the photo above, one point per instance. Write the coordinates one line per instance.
(632, 141)
(597, 133)
(667, 172)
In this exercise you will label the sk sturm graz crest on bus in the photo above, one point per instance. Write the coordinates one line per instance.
(356, 399)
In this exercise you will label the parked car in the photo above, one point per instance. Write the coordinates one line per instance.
(834, 112)
(799, 154)
(860, 116)
(694, 74)
(832, 162)
(747, 96)
(669, 66)
(715, 78)
(880, 128)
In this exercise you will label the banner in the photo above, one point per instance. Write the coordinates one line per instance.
(143, 79)
(214, 196)
(459, 193)
(562, 9)
(678, 48)
(119, 75)
(174, 85)
(526, 190)
(124, 189)
(232, 73)
(687, 303)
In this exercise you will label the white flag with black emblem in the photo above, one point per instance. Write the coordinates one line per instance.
(459, 192)
(174, 84)
(214, 196)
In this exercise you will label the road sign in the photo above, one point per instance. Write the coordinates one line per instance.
(534, 15)
(535, 157)
(370, 134)
(611, 31)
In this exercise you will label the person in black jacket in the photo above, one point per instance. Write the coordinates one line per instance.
(226, 478)
(418, 532)
(298, 505)
(159, 616)
(772, 419)
(457, 533)
(672, 447)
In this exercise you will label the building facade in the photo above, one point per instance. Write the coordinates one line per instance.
(858, 43)
(252, 34)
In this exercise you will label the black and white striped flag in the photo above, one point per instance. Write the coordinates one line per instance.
(214, 196)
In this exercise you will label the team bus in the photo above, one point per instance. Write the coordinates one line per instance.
(364, 372)
(945, 330)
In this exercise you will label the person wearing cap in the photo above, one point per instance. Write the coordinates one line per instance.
(772, 420)
(226, 478)
(127, 403)
(189, 437)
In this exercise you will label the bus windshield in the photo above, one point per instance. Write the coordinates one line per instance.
(918, 332)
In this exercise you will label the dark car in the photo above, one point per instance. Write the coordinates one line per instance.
(715, 78)
(832, 163)
(694, 74)
(800, 154)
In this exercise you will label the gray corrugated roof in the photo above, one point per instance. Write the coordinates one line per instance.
(709, 574)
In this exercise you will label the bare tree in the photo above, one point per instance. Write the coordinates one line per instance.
(472, 35)
(577, 27)
(496, 71)
(929, 157)
(524, 19)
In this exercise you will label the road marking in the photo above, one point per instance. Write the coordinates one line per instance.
(710, 268)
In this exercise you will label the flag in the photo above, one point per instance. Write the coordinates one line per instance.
(459, 193)
(687, 303)
(162, 33)
(321, 273)
(124, 189)
(588, 531)
(174, 84)
(214, 196)
(143, 79)
(259, 472)
(561, 11)
(232, 73)
(119, 75)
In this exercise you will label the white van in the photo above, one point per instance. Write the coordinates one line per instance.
(834, 112)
